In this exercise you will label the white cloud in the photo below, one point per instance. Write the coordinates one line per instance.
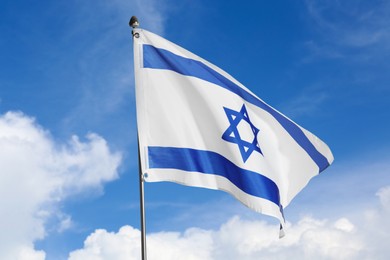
(306, 103)
(121, 245)
(28, 253)
(65, 222)
(104, 61)
(384, 197)
(37, 173)
(309, 238)
(353, 29)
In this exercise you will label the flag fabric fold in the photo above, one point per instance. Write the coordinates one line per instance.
(198, 126)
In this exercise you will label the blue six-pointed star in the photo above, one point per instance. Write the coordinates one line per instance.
(232, 134)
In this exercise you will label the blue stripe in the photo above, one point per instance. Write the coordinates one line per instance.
(156, 58)
(213, 163)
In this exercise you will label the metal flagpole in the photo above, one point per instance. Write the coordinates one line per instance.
(134, 24)
(142, 207)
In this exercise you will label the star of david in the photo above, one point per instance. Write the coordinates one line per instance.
(232, 134)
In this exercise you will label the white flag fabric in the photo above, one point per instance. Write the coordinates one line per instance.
(198, 126)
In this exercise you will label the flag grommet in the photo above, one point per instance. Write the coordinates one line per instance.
(145, 175)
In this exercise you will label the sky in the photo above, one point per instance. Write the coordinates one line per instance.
(68, 139)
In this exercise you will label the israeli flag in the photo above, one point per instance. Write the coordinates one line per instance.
(198, 126)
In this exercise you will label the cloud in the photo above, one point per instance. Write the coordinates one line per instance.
(28, 253)
(309, 238)
(307, 102)
(104, 73)
(37, 173)
(353, 29)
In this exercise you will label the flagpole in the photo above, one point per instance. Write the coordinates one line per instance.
(134, 24)
(142, 207)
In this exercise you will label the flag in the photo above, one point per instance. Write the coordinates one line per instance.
(198, 126)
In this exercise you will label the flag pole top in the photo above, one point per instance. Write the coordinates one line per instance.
(133, 23)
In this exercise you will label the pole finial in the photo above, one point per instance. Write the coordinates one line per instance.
(133, 22)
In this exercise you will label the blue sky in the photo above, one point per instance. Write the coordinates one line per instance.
(68, 153)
